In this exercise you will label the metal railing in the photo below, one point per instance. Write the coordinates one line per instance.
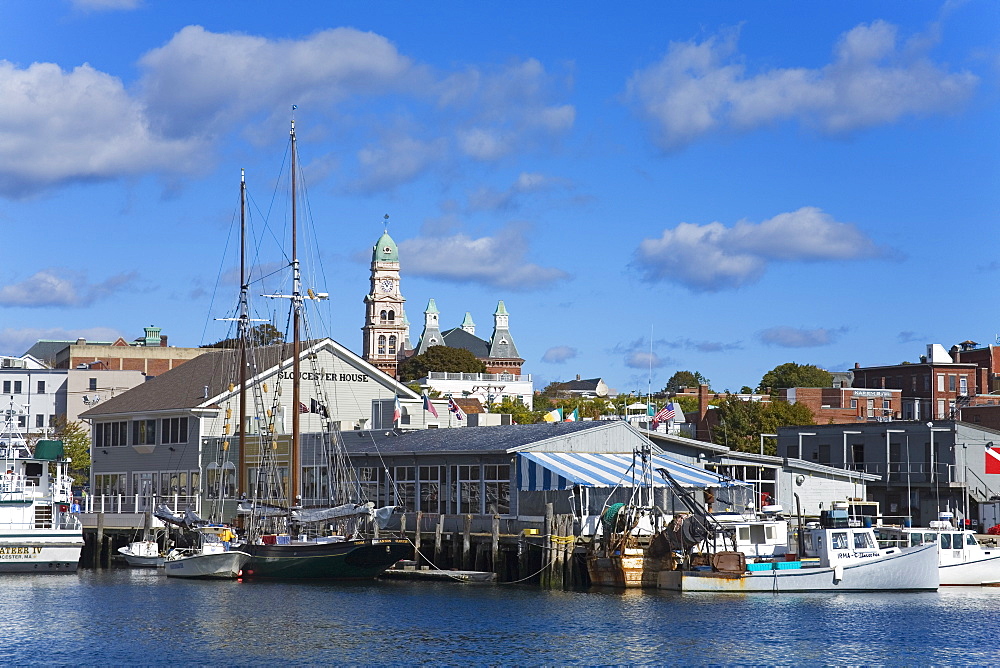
(509, 377)
(139, 503)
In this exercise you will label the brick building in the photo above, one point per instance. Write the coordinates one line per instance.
(148, 354)
(847, 405)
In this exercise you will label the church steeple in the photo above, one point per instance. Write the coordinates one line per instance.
(468, 325)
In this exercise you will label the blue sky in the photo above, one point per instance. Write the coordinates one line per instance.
(719, 187)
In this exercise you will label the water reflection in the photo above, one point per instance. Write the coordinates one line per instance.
(138, 616)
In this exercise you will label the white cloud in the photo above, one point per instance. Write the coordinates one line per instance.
(714, 257)
(51, 287)
(643, 359)
(794, 337)
(698, 88)
(559, 354)
(58, 127)
(497, 261)
(17, 341)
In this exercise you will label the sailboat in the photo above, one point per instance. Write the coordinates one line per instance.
(284, 539)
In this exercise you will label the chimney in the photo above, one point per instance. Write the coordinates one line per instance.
(81, 342)
(857, 365)
(578, 376)
(163, 340)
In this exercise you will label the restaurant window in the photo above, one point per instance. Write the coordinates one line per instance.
(144, 432)
(109, 434)
(175, 430)
(497, 487)
(405, 487)
(430, 489)
(465, 489)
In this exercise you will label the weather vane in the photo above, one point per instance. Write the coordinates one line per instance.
(385, 223)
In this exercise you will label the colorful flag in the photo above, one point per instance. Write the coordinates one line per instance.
(573, 417)
(553, 416)
(993, 460)
(428, 406)
(665, 414)
(397, 411)
(303, 408)
(453, 407)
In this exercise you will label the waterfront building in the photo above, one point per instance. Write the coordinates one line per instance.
(923, 467)
(149, 354)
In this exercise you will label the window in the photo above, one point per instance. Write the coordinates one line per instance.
(144, 432)
(430, 489)
(940, 382)
(963, 385)
(6, 387)
(109, 434)
(92, 385)
(392, 345)
(971, 540)
(382, 316)
(52, 420)
(314, 484)
(369, 488)
(39, 420)
(946, 541)
(381, 345)
(839, 540)
(854, 403)
(109, 484)
(22, 421)
(41, 387)
(497, 479)
(17, 387)
(886, 404)
(392, 316)
(175, 430)
(465, 489)
(405, 487)
(863, 541)
(951, 382)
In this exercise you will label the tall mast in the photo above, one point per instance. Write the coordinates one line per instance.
(295, 491)
(244, 333)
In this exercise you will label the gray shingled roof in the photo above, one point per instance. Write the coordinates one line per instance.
(183, 387)
(580, 385)
(467, 439)
(459, 338)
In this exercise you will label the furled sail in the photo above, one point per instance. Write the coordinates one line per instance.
(345, 510)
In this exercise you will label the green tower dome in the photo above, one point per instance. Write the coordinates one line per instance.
(385, 249)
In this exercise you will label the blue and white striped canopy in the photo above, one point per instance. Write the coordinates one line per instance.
(540, 471)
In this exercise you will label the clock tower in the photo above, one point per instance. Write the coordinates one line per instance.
(385, 330)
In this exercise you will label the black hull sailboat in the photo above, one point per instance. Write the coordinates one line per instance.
(275, 527)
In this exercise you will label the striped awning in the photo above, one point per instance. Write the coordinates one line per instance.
(540, 471)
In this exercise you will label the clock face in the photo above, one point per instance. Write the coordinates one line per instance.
(386, 285)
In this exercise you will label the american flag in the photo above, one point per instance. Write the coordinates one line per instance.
(665, 414)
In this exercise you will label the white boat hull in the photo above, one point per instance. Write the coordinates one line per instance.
(41, 552)
(142, 554)
(227, 565)
(908, 570)
(984, 572)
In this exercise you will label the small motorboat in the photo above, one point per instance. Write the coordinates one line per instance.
(212, 558)
(142, 554)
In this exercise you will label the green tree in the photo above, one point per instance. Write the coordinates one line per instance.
(440, 358)
(76, 445)
(791, 374)
(684, 379)
(264, 334)
(742, 422)
(520, 413)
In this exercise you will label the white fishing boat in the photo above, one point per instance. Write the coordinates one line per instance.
(142, 554)
(835, 557)
(962, 560)
(38, 533)
(212, 558)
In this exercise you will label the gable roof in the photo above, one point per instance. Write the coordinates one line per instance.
(184, 387)
(581, 385)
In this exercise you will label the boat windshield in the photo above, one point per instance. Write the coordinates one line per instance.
(863, 540)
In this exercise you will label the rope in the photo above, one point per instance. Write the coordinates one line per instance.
(559, 539)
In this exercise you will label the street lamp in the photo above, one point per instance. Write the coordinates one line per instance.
(762, 441)
(845, 445)
(801, 434)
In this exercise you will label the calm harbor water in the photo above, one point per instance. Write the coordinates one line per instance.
(132, 617)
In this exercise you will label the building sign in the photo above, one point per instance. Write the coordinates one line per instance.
(331, 377)
(873, 393)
